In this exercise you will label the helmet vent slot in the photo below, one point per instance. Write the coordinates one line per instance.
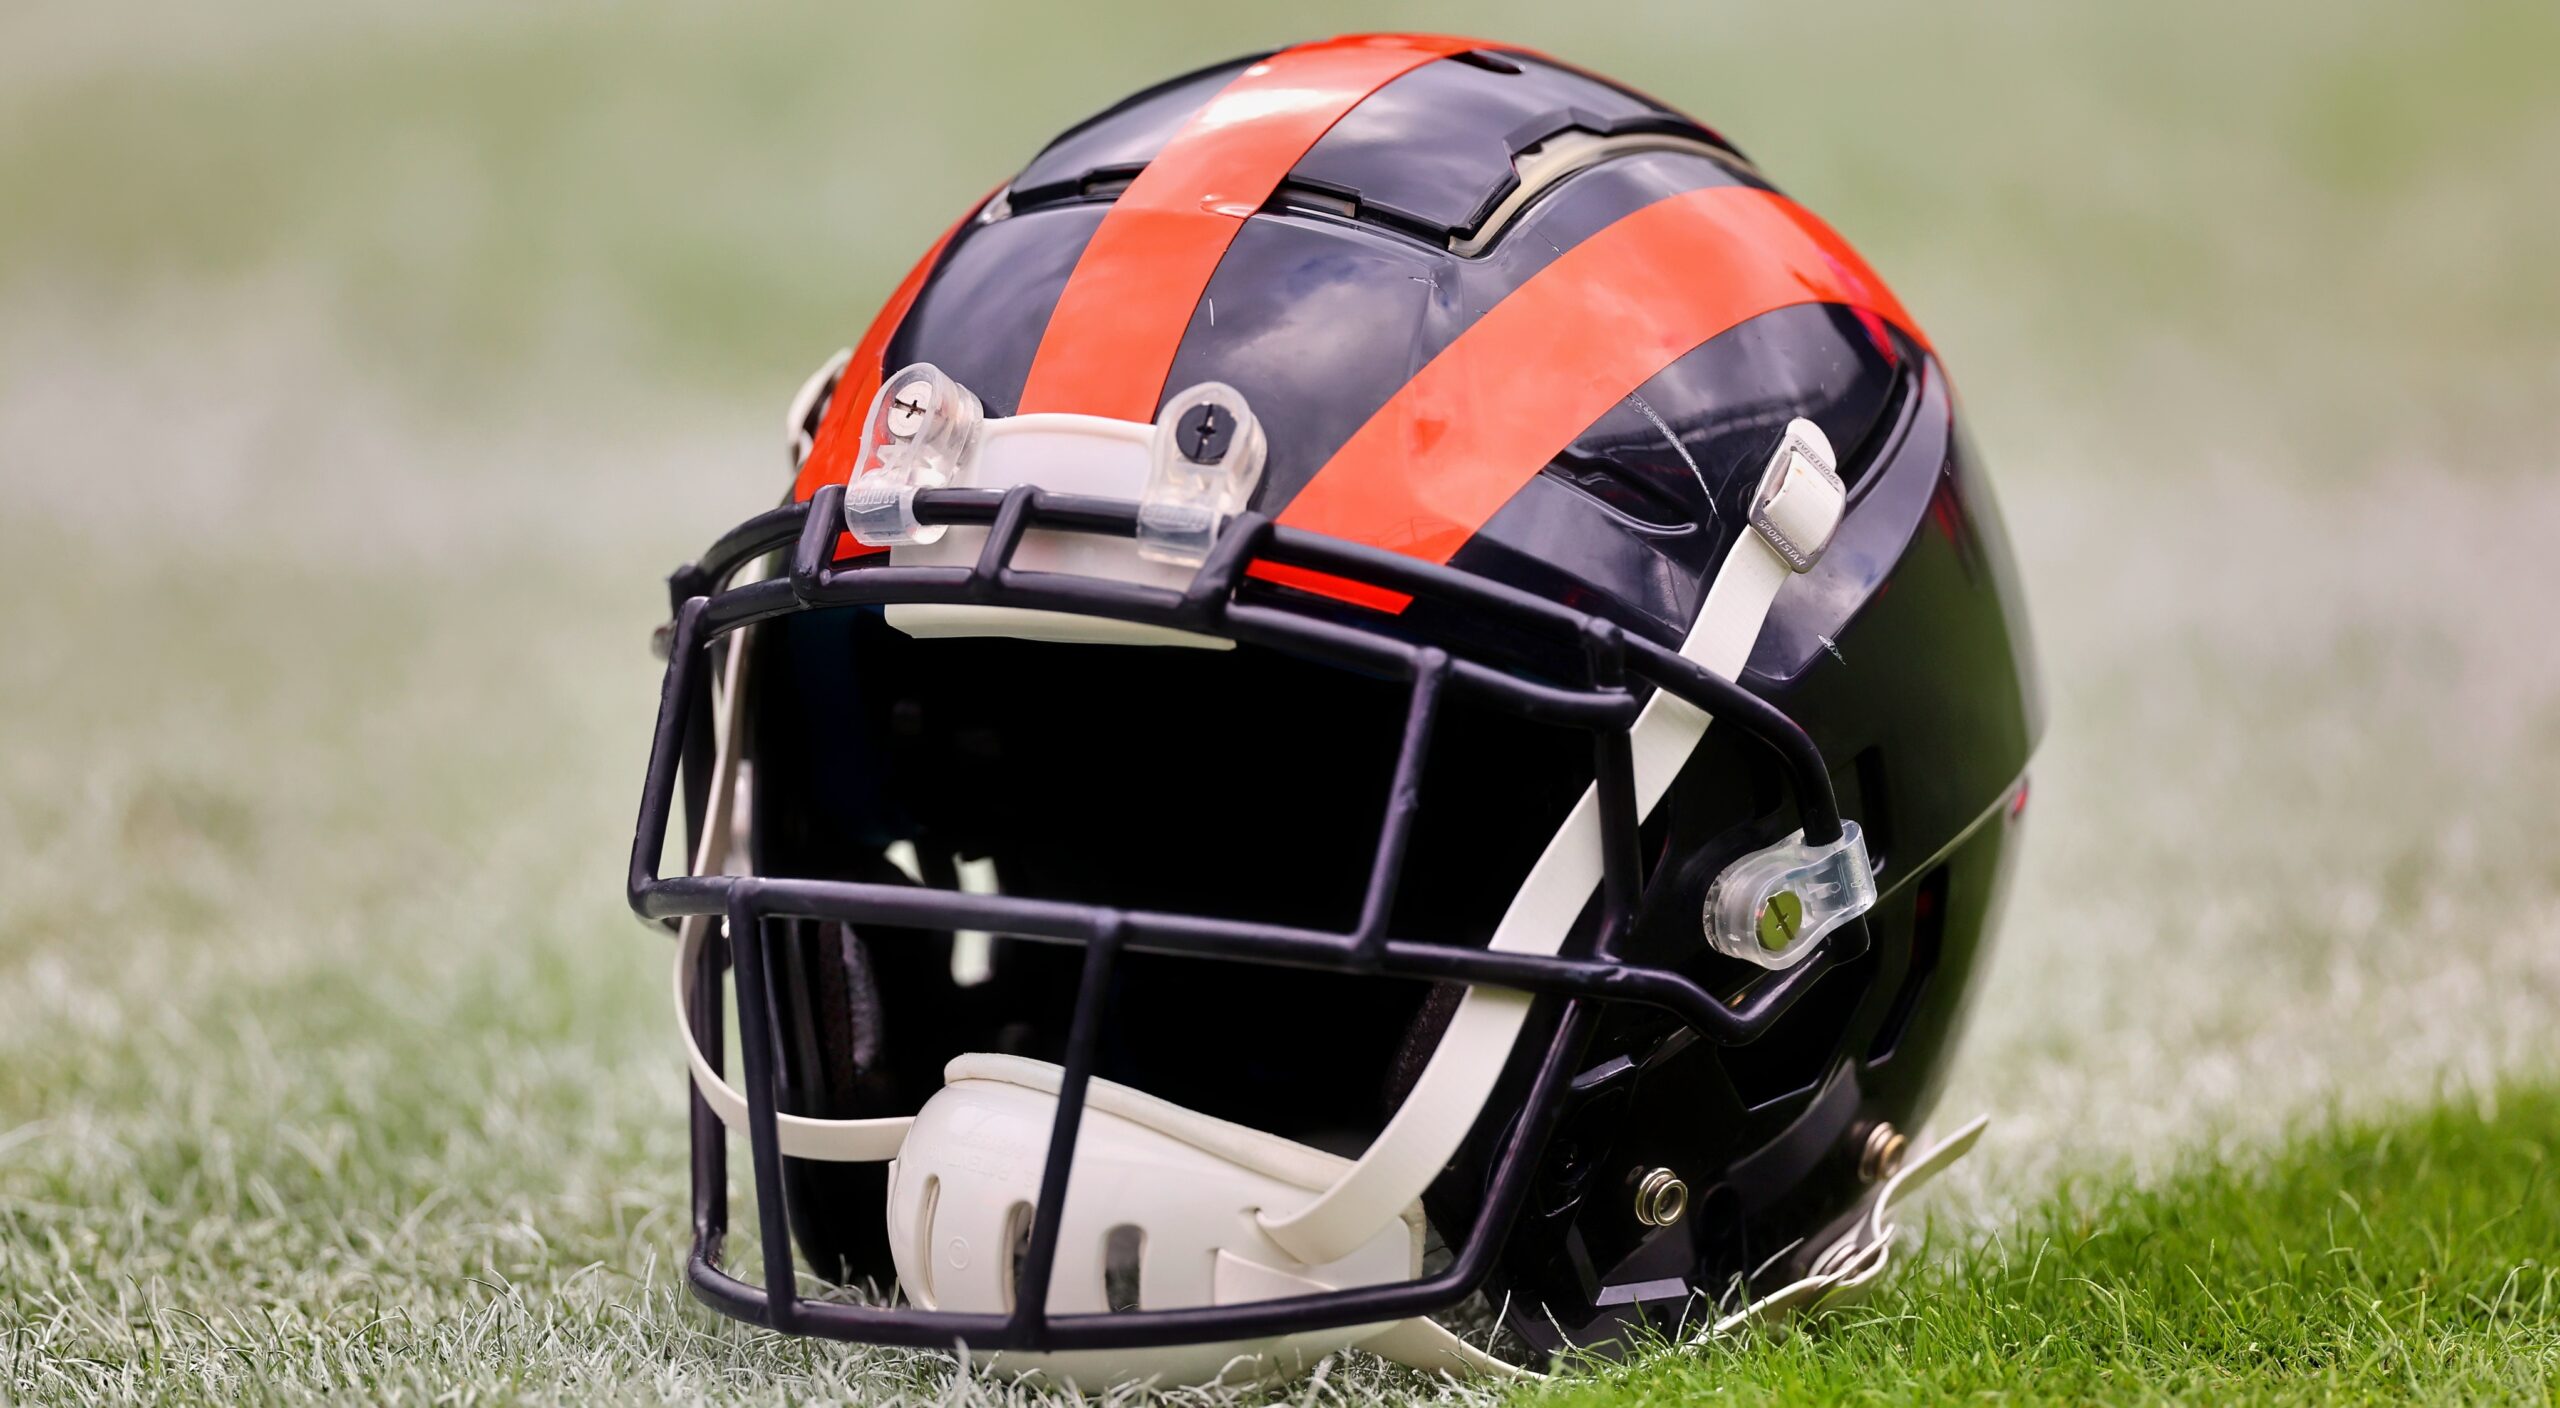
(923, 1233)
(1123, 1249)
(1107, 182)
(1928, 933)
(1544, 166)
(1017, 1246)
(1489, 62)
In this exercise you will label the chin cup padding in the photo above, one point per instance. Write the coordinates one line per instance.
(962, 1188)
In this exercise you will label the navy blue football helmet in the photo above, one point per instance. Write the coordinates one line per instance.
(1387, 681)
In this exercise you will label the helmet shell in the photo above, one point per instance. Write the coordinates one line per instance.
(1904, 652)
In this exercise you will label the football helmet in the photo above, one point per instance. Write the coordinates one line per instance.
(1386, 685)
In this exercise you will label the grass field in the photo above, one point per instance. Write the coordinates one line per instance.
(362, 369)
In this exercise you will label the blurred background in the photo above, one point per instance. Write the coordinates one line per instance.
(363, 368)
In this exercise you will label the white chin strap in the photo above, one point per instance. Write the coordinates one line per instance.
(1801, 502)
(1167, 1207)
(835, 1141)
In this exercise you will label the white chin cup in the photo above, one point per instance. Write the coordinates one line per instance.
(1174, 1191)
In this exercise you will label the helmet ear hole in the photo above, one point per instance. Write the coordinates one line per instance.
(922, 1232)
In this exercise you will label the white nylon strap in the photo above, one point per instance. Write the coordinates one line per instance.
(1451, 1092)
(1854, 1263)
(839, 1141)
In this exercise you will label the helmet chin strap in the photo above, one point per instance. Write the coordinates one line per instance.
(1798, 509)
(836, 1141)
(1222, 1213)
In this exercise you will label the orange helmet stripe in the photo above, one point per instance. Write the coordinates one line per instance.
(1111, 341)
(1424, 473)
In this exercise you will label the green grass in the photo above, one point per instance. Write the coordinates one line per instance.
(2399, 1261)
(361, 372)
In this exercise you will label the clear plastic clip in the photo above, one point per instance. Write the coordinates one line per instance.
(1772, 906)
(918, 435)
(1204, 464)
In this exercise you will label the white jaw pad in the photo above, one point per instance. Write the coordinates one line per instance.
(961, 1193)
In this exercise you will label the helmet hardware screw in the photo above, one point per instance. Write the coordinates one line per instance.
(1882, 1156)
(1661, 1198)
(1780, 919)
(1202, 436)
(907, 409)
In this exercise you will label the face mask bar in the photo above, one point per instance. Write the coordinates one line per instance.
(1605, 704)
